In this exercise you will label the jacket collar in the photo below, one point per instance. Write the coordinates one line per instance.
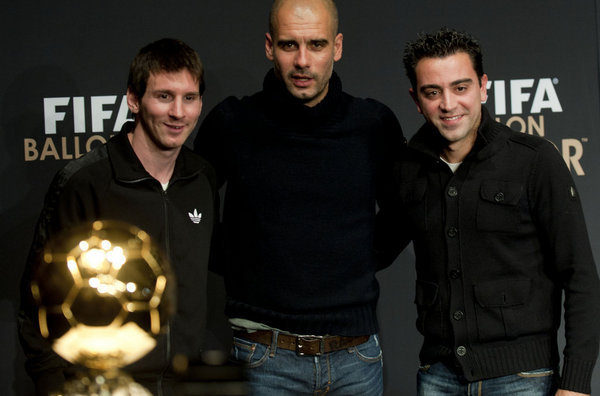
(128, 168)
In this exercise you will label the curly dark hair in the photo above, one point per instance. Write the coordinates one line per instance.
(440, 44)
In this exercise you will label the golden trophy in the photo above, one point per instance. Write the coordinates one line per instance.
(103, 292)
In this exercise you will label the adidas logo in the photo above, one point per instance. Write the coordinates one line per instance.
(195, 217)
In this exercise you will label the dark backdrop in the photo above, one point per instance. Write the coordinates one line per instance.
(64, 69)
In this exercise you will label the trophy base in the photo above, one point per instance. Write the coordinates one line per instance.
(104, 383)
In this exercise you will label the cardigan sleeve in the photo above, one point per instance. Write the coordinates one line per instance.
(560, 218)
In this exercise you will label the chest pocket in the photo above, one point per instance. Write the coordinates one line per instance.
(498, 208)
(412, 198)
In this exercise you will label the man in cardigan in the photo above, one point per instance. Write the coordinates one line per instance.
(499, 235)
(304, 164)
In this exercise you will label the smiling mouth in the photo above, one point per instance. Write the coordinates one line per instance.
(453, 118)
(176, 127)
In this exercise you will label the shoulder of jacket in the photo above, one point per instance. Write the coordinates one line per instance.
(80, 166)
(531, 141)
(197, 163)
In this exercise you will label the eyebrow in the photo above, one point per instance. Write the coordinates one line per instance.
(453, 84)
(462, 81)
(310, 41)
(171, 92)
(319, 41)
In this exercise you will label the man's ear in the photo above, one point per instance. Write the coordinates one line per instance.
(269, 46)
(483, 88)
(338, 45)
(133, 102)
(415, 99)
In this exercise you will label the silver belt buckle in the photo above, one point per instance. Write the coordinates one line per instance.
(300, 352)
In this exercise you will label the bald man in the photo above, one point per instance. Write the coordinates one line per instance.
(305, 164)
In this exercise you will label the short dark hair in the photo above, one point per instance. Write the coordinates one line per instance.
(165, 55)
(444, 42)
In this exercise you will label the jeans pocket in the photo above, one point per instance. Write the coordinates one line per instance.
(370, 351)
(251, 354)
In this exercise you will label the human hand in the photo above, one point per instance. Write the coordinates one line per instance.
(562, 392)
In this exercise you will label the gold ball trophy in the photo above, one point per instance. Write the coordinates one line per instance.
(103, 292)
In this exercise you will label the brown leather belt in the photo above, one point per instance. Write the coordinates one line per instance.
(305, 345)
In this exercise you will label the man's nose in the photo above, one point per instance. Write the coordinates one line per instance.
(302, 58)
(448, 101)
(176, 109)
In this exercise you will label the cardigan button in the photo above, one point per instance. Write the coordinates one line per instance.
(452, 191)
(461, 351)
(452, 232)
(458, 315)
(499, 197)
(454, 274)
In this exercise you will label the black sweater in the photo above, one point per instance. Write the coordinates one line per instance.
(300, 205)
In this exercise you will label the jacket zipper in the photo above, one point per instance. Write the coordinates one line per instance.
(168, 253)
(164, 195)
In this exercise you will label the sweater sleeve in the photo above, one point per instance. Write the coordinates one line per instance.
(209, 142)
(391, 232)
(560, 216)
(390, 238)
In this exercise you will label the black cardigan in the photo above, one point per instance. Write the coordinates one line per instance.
(496, 245)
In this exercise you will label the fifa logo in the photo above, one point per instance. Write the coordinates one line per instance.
(522, 103)
(71, 118)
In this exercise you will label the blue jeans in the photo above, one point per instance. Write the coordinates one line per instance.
(438, 379)
(275, 371)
